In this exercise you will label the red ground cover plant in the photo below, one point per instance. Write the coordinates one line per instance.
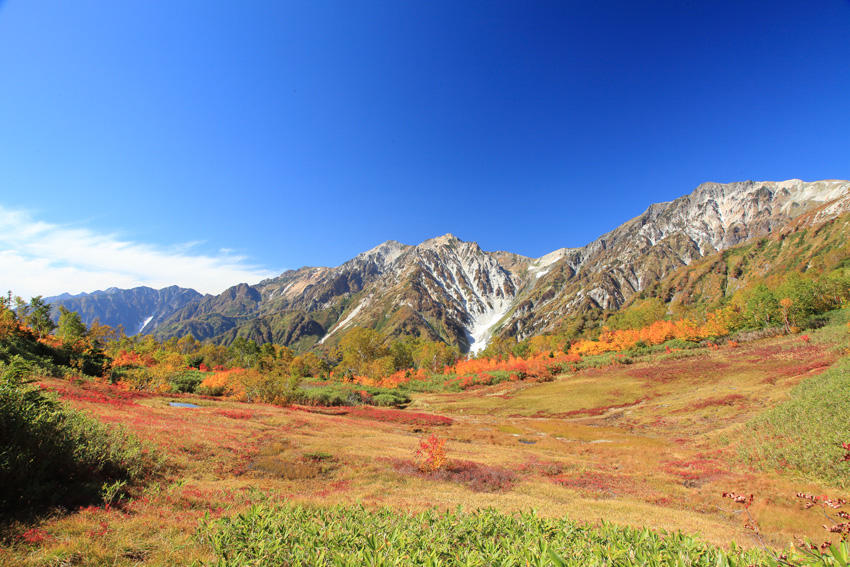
(535, 465)
(235, 414)
(476, 476)
(102, 530)
(592, 482)
(798, 370)
(335, 487)
(597, 483)
(694, 368)
(697, 470)
(35, 536)
(323, 410)
(399, 416)
(107, 395)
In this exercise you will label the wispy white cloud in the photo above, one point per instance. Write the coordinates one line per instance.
(39, 258)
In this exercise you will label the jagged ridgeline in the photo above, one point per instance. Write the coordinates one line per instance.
(137, 310)
(448, 289)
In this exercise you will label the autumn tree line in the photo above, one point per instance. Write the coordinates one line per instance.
(31, 343)
(788, 305)
(271, 372)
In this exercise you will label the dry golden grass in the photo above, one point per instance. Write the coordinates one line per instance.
(650, 444)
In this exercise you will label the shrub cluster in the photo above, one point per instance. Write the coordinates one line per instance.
(52, 455)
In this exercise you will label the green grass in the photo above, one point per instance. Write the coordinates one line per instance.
(836, 332)
(804, 434)
(352, 535)
(53, 455)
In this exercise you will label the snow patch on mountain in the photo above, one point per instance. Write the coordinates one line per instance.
(480, 290)
(481, 330)
(144, 324)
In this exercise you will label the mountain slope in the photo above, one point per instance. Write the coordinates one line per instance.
(141, 309)
(443, 288)
(805, 245)
(452, 290)
(610, 270)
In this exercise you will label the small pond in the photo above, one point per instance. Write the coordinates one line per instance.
(183, 405)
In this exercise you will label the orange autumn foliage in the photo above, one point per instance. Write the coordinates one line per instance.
(478, 371)
(229, 382)
(654, 334)
(393, 380)
(539, 365)
(431, 454)
(132, 358)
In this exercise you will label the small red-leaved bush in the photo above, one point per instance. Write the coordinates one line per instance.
(431, 453)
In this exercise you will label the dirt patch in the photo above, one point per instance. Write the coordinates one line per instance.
(297, 468)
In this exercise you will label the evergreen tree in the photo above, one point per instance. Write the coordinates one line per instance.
(38, 317)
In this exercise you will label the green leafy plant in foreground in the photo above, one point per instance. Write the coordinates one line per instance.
(53, 455)
(353, 535)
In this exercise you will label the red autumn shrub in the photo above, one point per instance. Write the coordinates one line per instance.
(431, 453)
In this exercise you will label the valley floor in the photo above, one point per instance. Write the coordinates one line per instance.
(655, 443)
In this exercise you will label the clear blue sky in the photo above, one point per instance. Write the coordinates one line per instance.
(293, 133)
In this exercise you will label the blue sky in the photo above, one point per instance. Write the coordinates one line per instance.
(205, 143)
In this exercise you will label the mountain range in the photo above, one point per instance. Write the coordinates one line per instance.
(448, 289)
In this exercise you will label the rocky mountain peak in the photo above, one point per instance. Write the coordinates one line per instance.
(450, 289)
(447, 239)
(383, 254)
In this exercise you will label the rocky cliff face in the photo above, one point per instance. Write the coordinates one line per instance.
(612, 268)
(443, 288)
(449, 289)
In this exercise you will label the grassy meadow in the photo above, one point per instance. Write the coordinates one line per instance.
(618, 454)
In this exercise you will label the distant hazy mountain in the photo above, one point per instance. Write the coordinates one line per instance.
(140, 309)
(450, 289)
